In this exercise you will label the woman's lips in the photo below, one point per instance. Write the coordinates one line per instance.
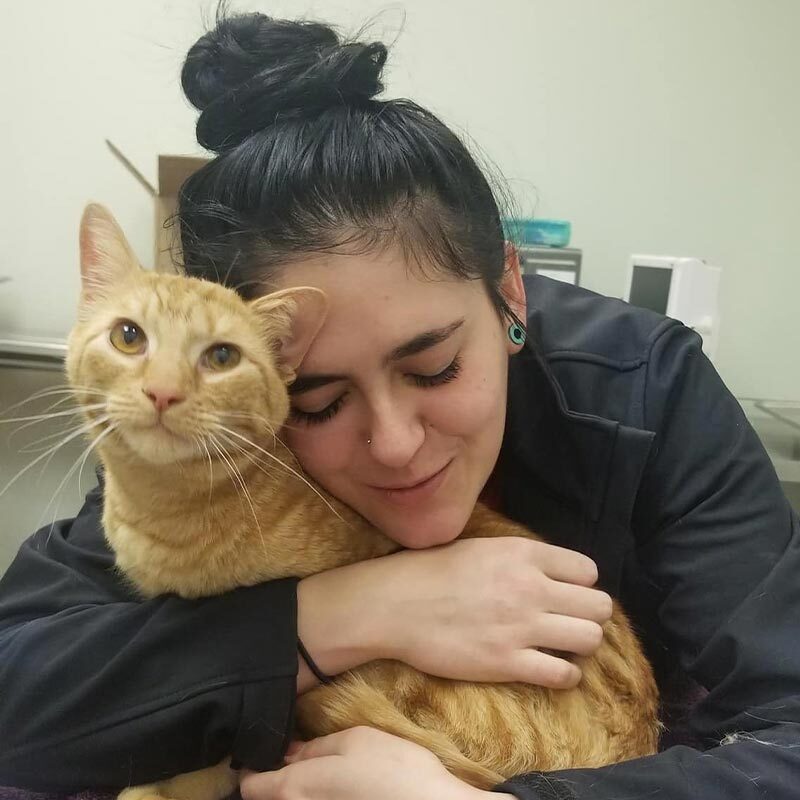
(416, 492)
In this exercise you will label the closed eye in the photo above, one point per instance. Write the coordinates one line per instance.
(449, 373)
(317, 417)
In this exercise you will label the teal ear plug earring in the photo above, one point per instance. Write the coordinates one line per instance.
(516, 333)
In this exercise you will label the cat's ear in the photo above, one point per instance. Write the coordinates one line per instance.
(106, 256)
(291, 318)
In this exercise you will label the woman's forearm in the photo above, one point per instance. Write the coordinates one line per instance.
(337, 622)
(475, 609)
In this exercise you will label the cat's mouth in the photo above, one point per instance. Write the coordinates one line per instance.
(156, 431)
(158, 442)
(160, 428)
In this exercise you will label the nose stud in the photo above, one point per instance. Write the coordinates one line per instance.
(369, 441)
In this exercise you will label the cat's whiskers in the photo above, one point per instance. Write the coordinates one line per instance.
(269, 427)
(212, 421)
(268, 469)
(35, 445)
(38, 444)
(51, 391)
(226, 466)
(280, 441)
(51, 451)
(66, 398)
(48, 414)
(78, 464)
(213, 417)
(289, 427)
(30, 447)
(249, 415)
(294, 472)
(201, 442)
(228, 460)
(123, 403)
(80, 393)
(110, 429)
(244, 415)
(86, 428)
(259, 464)
(127, 410)
(33, 418)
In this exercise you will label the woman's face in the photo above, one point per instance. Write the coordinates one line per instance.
(399, 404)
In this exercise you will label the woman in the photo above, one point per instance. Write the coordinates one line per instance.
(602, 426)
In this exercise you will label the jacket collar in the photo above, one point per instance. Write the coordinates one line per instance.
(571, 477)
(568, 452)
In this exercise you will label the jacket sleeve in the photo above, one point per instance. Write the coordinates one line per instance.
(102, 689)
(715, 533)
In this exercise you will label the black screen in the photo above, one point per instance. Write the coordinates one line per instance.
(650, 288)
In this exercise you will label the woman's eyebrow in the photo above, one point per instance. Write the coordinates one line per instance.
(305, 383)
(423, 341)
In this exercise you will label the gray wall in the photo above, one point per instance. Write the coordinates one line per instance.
(23, 507)
(656, 126)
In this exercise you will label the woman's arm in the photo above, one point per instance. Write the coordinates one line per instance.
(475, 609)
(360, 764)
(96, 682)
(716, 534)
(100, 689)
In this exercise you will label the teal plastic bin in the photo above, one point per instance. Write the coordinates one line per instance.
(550, 232)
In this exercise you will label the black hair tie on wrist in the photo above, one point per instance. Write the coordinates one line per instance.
(321, 676)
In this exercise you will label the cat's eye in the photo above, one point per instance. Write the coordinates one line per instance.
(128, 338)
(220, 357)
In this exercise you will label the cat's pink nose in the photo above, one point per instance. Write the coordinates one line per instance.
(162, 397)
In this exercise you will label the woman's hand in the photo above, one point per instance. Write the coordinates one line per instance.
(360, 764)
(475, 609)
(484, 609)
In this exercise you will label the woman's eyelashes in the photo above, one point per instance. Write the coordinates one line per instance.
(449, 373)
(316, 417)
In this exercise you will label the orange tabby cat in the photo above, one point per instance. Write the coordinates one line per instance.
(193, 386)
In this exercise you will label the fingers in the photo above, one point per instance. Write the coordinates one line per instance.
(260, 785)
(568, 634)
(331, 745)
(334, 744)
(291, 781)
(580, 601)
(542, 669)
(561, 564)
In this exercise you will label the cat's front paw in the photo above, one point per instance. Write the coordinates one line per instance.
(150, 792)
(210, 783)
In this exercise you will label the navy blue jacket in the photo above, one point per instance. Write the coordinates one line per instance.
(621, 441)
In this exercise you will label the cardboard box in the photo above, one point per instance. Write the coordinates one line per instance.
(172, 172)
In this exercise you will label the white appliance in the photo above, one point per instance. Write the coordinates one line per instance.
(686, 289)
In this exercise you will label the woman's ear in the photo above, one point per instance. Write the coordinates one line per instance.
(513, 291)
(291, 319)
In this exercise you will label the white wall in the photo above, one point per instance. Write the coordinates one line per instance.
(666, 126)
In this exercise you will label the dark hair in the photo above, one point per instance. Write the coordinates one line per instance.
(308, 161)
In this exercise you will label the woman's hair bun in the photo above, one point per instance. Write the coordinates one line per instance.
(252, 70)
